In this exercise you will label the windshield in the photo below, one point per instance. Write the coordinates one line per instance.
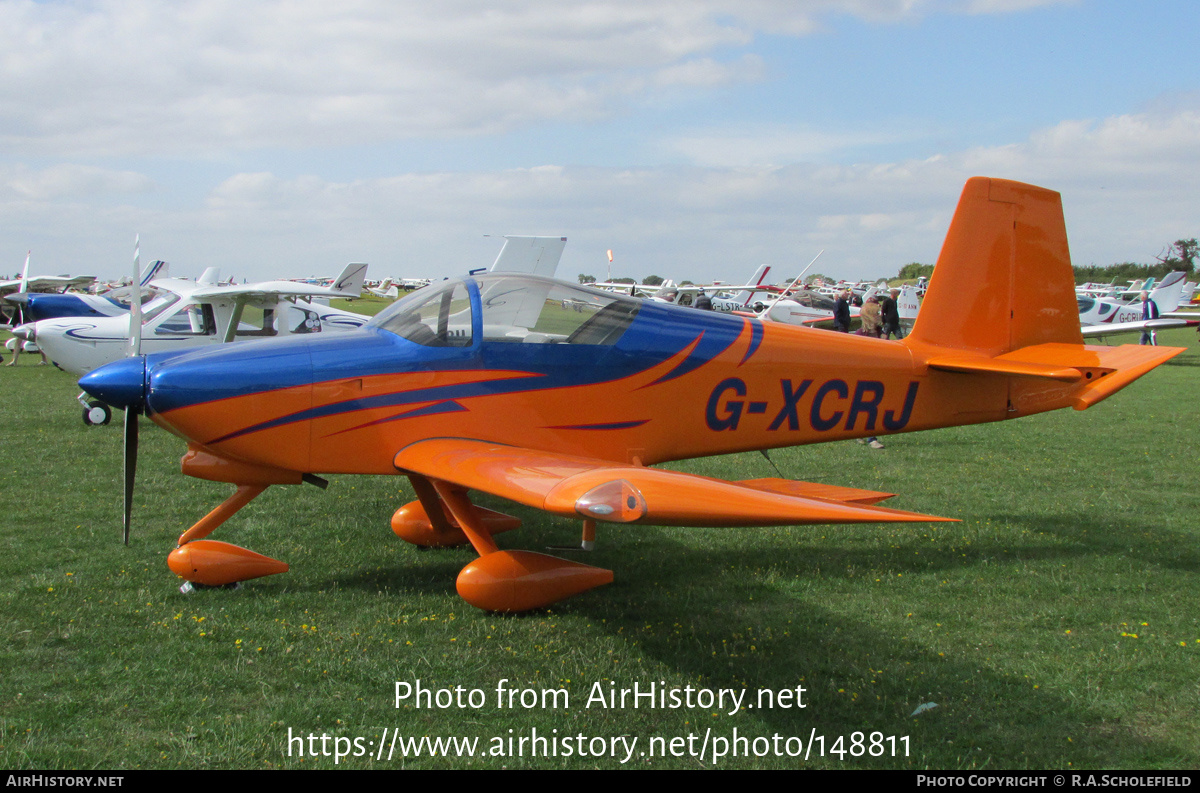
(516, 309)
(157, 306)
(529, 309)
(436, 316)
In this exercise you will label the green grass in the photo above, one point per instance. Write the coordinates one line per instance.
(367, 304)
(1055, 626)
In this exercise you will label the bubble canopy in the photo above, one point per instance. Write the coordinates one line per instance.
(521, 309)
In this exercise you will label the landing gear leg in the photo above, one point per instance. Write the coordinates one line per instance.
(427, 523)
(512, 580)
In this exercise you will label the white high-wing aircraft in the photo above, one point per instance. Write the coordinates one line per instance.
(1100, 317)
(189, 314)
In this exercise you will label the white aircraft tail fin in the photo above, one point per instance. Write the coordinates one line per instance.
(210, 277)
(743, 297)
(908, 303)
(1169, 292)
(156, 269)
(350, 281)
(534, 255)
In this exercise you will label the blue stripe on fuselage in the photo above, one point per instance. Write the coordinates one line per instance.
(656, 334)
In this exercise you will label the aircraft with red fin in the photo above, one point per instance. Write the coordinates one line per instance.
(563, 398)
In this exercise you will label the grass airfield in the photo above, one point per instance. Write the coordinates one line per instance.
(1055, 627)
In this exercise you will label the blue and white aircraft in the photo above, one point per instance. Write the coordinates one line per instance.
(187, 314)
(113, 303)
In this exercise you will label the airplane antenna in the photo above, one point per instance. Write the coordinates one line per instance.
(792, 285)
(763, 452)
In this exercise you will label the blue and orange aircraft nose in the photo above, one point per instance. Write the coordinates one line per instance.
(121, 383)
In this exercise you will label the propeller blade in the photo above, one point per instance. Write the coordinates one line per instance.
(131, 449)
(134, 350)
(25, 273)
(24, 291)
(135, 300)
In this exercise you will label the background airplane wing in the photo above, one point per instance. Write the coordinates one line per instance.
(1091, 331)
(581, 487)
(270, 289)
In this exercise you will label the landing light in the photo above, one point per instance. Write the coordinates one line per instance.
(616, 501)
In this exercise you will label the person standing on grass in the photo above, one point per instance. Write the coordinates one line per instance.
(1149, 312)
(841, 312)
(890, 314)
(872, 318)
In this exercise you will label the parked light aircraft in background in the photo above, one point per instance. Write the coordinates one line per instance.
(385, 289)
(112, 303)
(16, 292)
(561, 397)
(724, 297)
(48, 283)
(1103, 317)
(194, 314)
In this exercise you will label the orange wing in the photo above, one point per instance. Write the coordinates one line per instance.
(580, 487)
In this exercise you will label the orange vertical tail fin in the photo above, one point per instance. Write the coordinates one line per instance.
(1003, 280)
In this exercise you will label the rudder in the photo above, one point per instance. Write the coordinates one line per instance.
(1003, 279)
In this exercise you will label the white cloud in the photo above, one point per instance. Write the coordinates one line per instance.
(70, 181)
(1126, 182)
(155, 77)
(1127, 185)
(773, 145)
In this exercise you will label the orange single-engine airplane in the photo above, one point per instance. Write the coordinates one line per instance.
(560, 398)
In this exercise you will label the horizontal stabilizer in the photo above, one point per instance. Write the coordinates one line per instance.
(1101, 371)
(1003, 364)
(1127, 362)
(588, 488)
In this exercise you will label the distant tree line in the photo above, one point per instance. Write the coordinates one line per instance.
(914, 270)
(1180, 255)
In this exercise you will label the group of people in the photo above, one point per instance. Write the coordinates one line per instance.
(880, 319)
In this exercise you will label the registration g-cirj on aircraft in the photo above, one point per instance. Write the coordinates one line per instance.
(562, 398)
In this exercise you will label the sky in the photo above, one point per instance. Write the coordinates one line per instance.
(696, 139)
